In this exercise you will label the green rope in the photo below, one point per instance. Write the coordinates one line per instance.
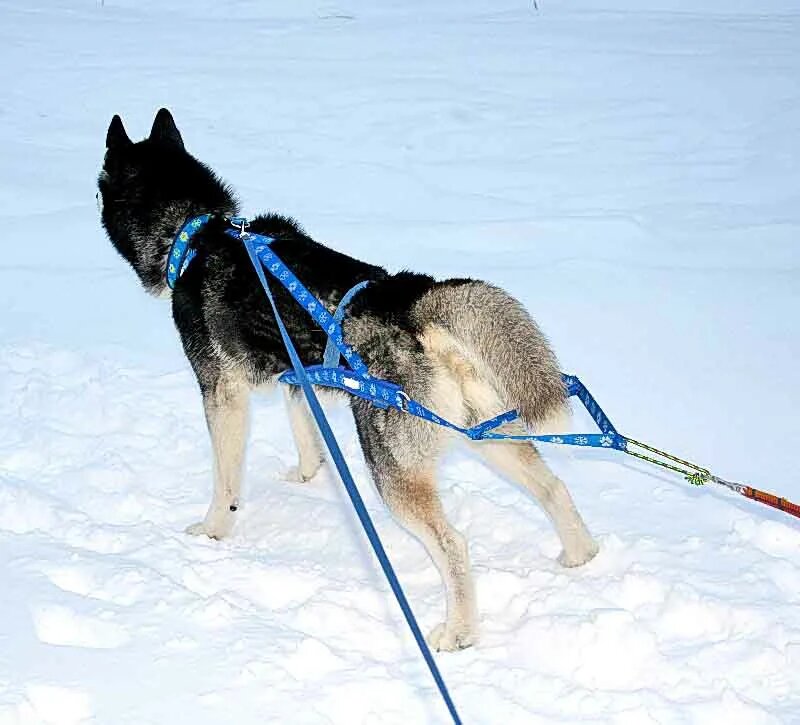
(696, 475)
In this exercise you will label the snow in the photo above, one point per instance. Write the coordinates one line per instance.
(630, 170)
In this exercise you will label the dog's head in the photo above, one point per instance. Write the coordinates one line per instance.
(148, 189)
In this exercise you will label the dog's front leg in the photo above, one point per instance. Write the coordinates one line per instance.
(226, 407)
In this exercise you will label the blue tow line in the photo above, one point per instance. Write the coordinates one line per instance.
(381, 393)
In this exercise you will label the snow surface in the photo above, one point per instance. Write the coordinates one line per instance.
(630, 170)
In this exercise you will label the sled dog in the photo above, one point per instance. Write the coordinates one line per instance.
(462, 347)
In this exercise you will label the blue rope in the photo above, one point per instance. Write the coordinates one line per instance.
(350, 486)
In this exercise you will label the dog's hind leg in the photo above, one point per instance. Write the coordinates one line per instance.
(415, 503)
(226, 408)
(306, 438)
(521, 462)
(469, 377)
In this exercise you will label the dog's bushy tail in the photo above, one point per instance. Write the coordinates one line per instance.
(500, 333)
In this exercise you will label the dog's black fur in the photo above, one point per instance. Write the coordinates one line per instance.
(461, 346)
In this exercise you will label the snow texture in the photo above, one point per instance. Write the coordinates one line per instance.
(630, 170)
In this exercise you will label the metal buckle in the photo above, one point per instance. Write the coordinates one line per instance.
(240, 223)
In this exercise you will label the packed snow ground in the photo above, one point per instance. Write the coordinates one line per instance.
(630, 170)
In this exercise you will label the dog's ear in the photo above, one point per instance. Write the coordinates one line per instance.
(116, 137)
(165, 131)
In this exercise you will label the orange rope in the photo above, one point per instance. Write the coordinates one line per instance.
(771, 500)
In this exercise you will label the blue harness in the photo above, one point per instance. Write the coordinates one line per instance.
(355, 379)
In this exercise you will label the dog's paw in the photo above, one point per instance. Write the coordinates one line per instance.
(301, 474)
(210, 529)
(580, 556)
(451, 639)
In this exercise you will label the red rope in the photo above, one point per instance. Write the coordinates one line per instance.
(771, 500)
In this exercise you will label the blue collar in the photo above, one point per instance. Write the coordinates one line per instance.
(182, 252)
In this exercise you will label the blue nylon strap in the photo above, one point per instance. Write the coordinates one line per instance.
(607, 438)
(384, 394)
(380, 393)
(181, 252)
(347, 478)
(331, 357)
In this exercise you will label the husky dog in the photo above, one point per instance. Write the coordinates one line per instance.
(461, 347)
